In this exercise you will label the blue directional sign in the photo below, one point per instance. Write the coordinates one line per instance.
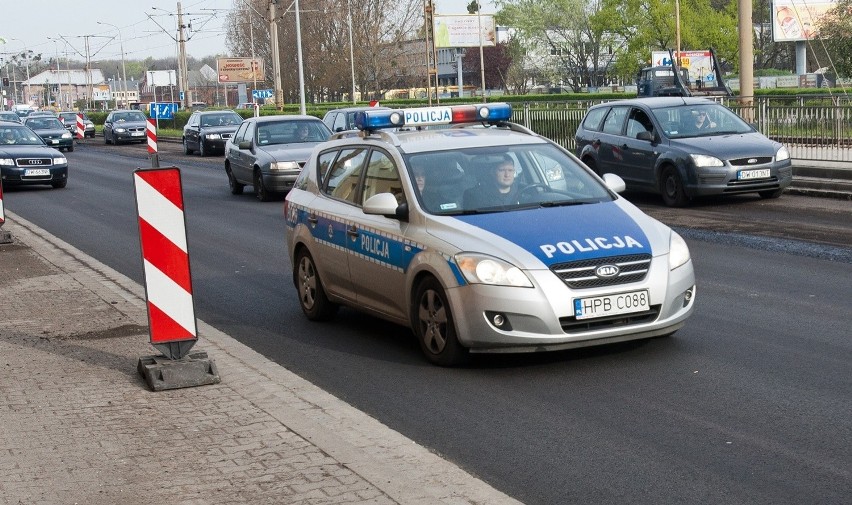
(163, 110)
(262, 93)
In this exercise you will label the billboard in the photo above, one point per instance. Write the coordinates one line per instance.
(794, 20)
(240, 69)
(463, 30)
(699, 65)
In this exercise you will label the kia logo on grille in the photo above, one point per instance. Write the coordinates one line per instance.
(36, 162)
(607, 271)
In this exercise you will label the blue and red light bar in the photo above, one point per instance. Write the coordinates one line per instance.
(428, 116)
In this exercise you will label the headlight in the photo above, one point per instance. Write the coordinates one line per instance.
(60, 160)
(213, 136)
(284, 165)
(7, 162)
(66, 135)
(782, 154)
(120, 130)
(483, 269)
(678, 251)
(702, 160)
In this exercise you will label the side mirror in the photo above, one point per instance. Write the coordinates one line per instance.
(245, 144)
(385, 204)
(645, 135)
(614, 182)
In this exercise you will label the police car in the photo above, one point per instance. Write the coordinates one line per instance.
(480, 236)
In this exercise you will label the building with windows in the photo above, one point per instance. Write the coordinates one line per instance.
(62, 89)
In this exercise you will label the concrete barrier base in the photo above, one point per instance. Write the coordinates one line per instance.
(162, 373)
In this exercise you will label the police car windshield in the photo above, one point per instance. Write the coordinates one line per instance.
(500, 179)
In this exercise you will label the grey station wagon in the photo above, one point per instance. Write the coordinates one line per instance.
(682, 148)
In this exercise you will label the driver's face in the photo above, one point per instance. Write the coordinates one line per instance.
(505, 175)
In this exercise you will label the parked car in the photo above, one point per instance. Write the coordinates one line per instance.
(51, 130)
(269, 152)
(339, 120)
(26, 160)
(482, 237)
(125, 126)
(208, 131)
(656, 145)
(7, 115)
(69, 119)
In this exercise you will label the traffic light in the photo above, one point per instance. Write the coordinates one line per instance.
(5, 82)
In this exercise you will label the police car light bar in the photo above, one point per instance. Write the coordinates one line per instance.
(428, 116)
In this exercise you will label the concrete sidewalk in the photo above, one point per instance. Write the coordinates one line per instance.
(79, 424)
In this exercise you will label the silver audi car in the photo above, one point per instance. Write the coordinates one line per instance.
(480, 236)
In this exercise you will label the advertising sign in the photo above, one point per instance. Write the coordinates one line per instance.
(797, 20)
(240, 70)
(464, 31)
(699, 64)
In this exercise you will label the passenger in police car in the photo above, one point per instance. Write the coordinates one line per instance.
(497, 190)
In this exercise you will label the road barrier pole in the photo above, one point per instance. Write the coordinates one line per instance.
(168, 284)
(151, 131)
(5, 236)
(81, 127)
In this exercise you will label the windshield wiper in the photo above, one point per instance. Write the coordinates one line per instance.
(565, 203)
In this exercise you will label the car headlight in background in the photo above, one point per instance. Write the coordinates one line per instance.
(60, 160)
(284, 165)
(120, 130)
(678, 251)
(483, 269)
(66, 135)
(7, 162)
(703, 160)
(782, 154)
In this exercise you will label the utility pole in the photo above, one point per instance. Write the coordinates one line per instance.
(276, 62)
(184, 75)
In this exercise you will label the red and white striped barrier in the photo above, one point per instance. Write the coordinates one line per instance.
(162, 233)
(81, 126)
(151, 129)
(2, 212)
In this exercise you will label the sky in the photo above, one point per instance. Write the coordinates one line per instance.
(148, 27)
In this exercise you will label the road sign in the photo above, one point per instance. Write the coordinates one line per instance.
(262, 93)
(163, 110)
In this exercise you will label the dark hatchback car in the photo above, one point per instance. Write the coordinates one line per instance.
(269, 152)
(208, 131)
(51, 130)
(339, 120)
(26, 160)
(682, 148)
(125, 126)
(69, 119)
(7, 115)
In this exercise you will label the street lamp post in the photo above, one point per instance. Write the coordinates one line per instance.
(123, 69)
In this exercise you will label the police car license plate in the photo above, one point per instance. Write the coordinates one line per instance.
(36, 171)
(611, 305)
(753, 174)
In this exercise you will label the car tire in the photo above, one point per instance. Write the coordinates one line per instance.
(312, 298)
(769, 195)
(260, 190)
(70, 148)
(434, 327)
(186, 149)
(671, 187)
(106, 138)
(59, 184)
(236, 187)
(202, 151)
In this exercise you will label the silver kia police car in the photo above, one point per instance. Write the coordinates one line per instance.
(481, 236)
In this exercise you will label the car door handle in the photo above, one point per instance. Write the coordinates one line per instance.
(352, 232)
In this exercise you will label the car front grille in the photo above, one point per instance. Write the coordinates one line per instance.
(751, 162)
(581, 274)
(34, 162)
(572, 325)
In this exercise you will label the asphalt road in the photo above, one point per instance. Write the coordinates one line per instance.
(749, 403)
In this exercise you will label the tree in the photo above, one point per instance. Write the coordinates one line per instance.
(835, 33)
(564, 31)
(498, 60)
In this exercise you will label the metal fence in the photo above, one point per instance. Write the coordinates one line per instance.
(812, 128)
